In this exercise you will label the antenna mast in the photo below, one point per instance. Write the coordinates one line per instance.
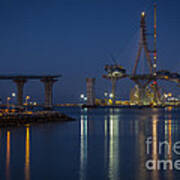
(155, 39)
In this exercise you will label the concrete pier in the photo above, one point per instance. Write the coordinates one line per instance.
(90, 91)
(48, 87)
(20, 86)
(114, 82)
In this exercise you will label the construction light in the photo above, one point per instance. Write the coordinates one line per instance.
(82, 96)
(143, 13)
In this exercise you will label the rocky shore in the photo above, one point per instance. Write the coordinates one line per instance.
(28, 117)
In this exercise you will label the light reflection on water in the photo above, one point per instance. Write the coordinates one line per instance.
(101, 144)
(27, 155)
(83, 146)
(113, 155)
(8, 154)
(155, 144)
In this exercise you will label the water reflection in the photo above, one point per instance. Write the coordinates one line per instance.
(8, 154)
(27, 155)
(140, 134)
(114, 145)
(83, 144)
(155, 145)
(111, 132)
(110, 144)
(168, 138)
(106, 130)
(157, 149)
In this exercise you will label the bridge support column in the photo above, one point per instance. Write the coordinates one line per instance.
(113, 91)
(90, 91)
(20, 85)
(48, 86)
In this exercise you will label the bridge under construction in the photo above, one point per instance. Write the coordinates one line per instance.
(20, 80)
(146, 90)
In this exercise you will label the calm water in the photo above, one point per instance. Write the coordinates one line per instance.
(100, 144)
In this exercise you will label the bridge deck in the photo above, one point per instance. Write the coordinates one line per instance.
(15, 77)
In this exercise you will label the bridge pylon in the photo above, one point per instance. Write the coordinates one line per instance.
(143, 80)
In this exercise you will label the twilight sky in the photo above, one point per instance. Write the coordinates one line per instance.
(76, 37)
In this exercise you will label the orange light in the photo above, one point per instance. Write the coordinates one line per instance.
(27, 155)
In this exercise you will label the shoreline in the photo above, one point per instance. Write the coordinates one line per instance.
(28, 117)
